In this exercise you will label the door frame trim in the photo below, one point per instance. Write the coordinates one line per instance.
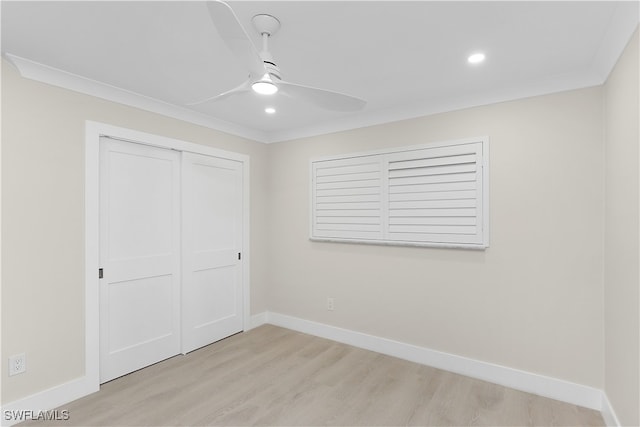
(93, 132)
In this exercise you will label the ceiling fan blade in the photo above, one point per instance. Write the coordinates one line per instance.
(244, 87)
(236, 39)
(322, 98)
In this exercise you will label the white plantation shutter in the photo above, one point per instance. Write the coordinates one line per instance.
(347, 198)
(430, 195)
(435, 195)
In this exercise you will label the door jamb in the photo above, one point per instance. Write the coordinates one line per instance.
(93, 132)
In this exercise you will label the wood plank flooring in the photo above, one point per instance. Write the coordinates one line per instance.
(277, 377)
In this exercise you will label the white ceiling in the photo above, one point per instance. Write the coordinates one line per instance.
(406, 58)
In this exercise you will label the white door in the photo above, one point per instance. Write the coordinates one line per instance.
(139, 255)
(212, 246)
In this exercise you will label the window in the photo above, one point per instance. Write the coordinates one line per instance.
(430, 195)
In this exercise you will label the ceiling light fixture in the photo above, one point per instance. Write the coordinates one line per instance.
(270, 110)
(264, 86)
(476, 58)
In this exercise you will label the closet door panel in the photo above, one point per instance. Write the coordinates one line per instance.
(211, 248)
(139, 255)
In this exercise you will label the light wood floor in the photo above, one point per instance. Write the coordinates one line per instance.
(274, 376)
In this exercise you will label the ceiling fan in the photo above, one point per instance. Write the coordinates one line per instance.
(265, 77)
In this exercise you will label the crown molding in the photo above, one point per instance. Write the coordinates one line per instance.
(56, 77)
(556, 84)
(624, 22)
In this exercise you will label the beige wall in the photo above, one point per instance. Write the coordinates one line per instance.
(532, 301)
(43, 226)
(622, 237)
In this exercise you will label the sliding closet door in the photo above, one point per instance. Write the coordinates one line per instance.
(212, 246)
(139, 256)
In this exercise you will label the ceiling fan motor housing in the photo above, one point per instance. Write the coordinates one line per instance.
(272, 68)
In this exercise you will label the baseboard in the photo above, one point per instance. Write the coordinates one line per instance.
(46, 400)
(257, 320)
(609, 415)
(553, 388)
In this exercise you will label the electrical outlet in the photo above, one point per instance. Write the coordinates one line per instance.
(17, 364)
(330, 304)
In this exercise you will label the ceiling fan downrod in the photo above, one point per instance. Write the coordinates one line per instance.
(267, 26)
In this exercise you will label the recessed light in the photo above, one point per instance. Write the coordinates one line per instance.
(476, 58)
(270, 110)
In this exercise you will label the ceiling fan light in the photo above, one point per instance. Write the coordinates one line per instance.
(264, 86)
